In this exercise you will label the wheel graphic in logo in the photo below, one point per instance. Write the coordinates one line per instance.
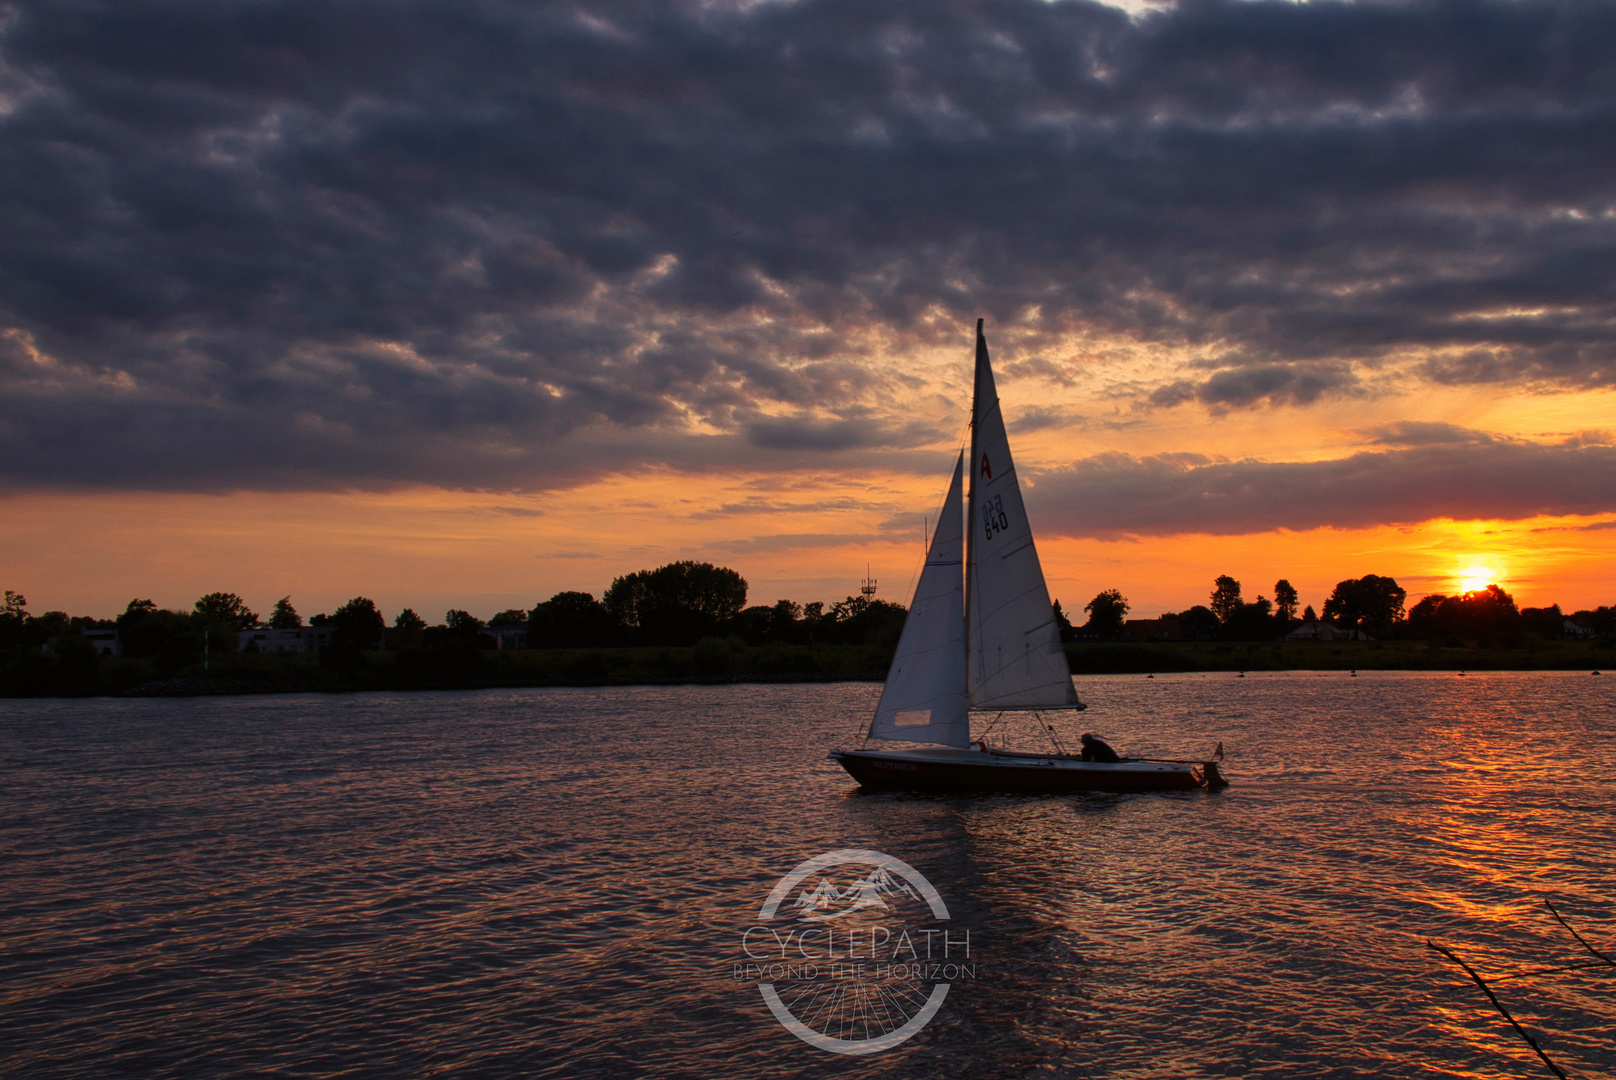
(852, 952)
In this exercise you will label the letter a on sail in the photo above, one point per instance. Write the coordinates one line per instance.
(1014, 657)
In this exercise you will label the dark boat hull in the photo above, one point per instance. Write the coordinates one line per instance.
(959, 770)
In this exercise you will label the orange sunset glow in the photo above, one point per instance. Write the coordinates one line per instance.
(1118, 500)
(470, 379)
(777, 538)
(1477, 575)
(805, 530)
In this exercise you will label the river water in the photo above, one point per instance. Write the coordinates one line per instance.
(537, 883)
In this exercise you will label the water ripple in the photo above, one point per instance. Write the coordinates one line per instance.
(548, 883)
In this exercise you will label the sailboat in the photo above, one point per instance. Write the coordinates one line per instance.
(981, 637)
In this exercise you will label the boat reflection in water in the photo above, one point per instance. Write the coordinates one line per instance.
(987, 641)
(317, 885)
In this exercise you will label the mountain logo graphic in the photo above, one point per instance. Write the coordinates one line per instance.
(825, 902)
(853, 988)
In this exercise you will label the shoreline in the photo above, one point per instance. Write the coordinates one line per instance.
(720, 664)
(1123, 658)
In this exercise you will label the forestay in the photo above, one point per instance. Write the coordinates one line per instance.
(1014, 658)
(924, 699)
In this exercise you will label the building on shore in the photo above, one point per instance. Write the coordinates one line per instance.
(295, 639)
(508, 637)
(1165, 628)
(103, 641)
(1323, 631)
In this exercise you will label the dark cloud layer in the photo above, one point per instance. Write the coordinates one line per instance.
(1455, 474)
(291, 242)
(1242, 387)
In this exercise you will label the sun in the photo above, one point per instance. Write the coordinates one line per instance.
(1475, 576)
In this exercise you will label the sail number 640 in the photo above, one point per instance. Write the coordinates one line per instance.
(993, 519)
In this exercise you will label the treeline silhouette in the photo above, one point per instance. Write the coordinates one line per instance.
(1371, 605)
(682, 604)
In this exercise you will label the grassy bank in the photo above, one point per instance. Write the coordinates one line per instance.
(714, 661)
(710, 661)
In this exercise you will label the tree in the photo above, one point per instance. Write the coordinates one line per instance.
(1601, 620)
(1198, 623)
(1371, 602)
(784, 618)
(1063, 624)
(1252, 622)
(285, 616)
(13, 621)
(1310, 616)
(627, 597)
(1548, 622)
(1225, 601)
(509, 617)
(1480, 614)
(859, 620)
(849, 609)
(1284, 601)
(51, 623)
(170, 638)
(761, 625)
(228, 609)
(408, 620)
(462, 622)
(813, 621)
(1106, 612)
(357, 623)
(677, 603)
(462, 633)
(569, 620)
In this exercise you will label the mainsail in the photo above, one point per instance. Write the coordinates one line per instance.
(924, 699)
(1014, 656)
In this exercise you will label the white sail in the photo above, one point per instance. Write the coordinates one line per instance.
(1014, 658)
(924, 699)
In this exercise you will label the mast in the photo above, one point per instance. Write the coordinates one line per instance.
(970, 498)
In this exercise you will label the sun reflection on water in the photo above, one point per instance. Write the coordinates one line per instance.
(549, 882)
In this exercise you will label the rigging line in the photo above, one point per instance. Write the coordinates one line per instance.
(1485, 989)
(991, 725)
(1561, 920)
(1050, 730)
(861, 730)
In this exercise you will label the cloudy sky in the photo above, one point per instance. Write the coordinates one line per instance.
(464, 301)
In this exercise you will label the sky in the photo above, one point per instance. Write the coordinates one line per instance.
(452, 303)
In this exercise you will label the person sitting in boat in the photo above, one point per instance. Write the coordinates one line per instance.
(1096, 749)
